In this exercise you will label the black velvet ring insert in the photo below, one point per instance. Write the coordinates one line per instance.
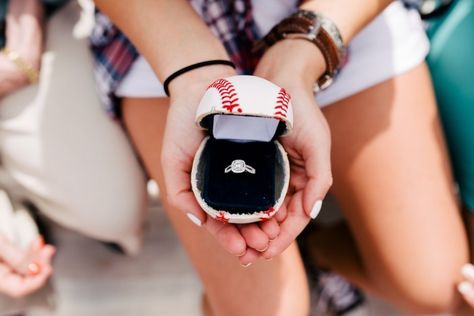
(227, 187)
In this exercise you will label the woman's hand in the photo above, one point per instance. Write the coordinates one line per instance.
(23, 37)
(24, 271)
(181, 141)
(295, 65)
(11, 77)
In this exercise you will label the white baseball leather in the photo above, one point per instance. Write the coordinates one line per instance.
(245, 108)
(249, 96)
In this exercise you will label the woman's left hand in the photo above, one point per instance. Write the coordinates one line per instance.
(295, 65)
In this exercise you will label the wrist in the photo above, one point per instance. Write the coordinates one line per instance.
(24, 34)
(292, 63)
(195, 82)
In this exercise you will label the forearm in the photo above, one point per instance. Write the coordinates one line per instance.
(303, 59)
(168, 33)
(349, 16)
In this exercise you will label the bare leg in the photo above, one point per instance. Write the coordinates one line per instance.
(276, 287)
(392, 179)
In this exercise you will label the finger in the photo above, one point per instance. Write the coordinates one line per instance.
(271, 228)
(38, 243)
(314, 148)
(46, 255)
(467, 291)
(18, 286)
(38, 256)
(178, 186)
(294, 224)
(250, 257)
(280, 216)
(12, 255)
(318, 171)
(228, 236)
(255, 237)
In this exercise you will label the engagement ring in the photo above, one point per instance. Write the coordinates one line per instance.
(239, 166)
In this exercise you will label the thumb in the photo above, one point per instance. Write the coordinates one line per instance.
(178, 189)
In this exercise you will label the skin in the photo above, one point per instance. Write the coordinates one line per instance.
(16, 278)
(403, 228)
(276, 287)
(393, 182)
(23, 36)
(309, 157)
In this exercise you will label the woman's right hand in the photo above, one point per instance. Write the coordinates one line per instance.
(23, 272)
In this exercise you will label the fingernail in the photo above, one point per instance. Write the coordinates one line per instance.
(243, 253)
(41, 241)
(264, 249)
(316, 209)
(466, 288)
(34, 269)
(194, 219)
(246, 265)
(468, 271)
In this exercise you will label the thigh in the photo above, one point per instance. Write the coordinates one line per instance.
(392, 179)
(276, 287)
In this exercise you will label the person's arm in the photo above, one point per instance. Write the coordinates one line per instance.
(24, 38)
(349, 16)
(169, 34)
(296, 65)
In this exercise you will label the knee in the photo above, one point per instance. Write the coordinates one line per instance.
(112, 214)
(111, 210)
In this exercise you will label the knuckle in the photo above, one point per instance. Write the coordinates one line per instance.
(173, 199)
(329, 181)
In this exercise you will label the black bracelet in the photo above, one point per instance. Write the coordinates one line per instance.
(192, 67)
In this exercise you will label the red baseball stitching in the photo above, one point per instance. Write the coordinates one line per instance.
(281, 106)
(221, 217)
(268, 213)
(228, 94)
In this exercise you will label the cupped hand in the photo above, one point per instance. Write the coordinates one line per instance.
(24, 271)
(295, 65)
(181, 141)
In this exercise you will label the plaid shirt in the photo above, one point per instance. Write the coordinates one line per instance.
(230, 20)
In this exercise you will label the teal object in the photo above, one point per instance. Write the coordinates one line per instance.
(451, 61)
(3, 13)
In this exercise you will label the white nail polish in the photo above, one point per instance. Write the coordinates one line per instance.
(316, 209)
(466, 288)
(468, 271)
(194, 219)
(246, 265)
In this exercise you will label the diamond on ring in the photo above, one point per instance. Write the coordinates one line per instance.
(239, 166)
